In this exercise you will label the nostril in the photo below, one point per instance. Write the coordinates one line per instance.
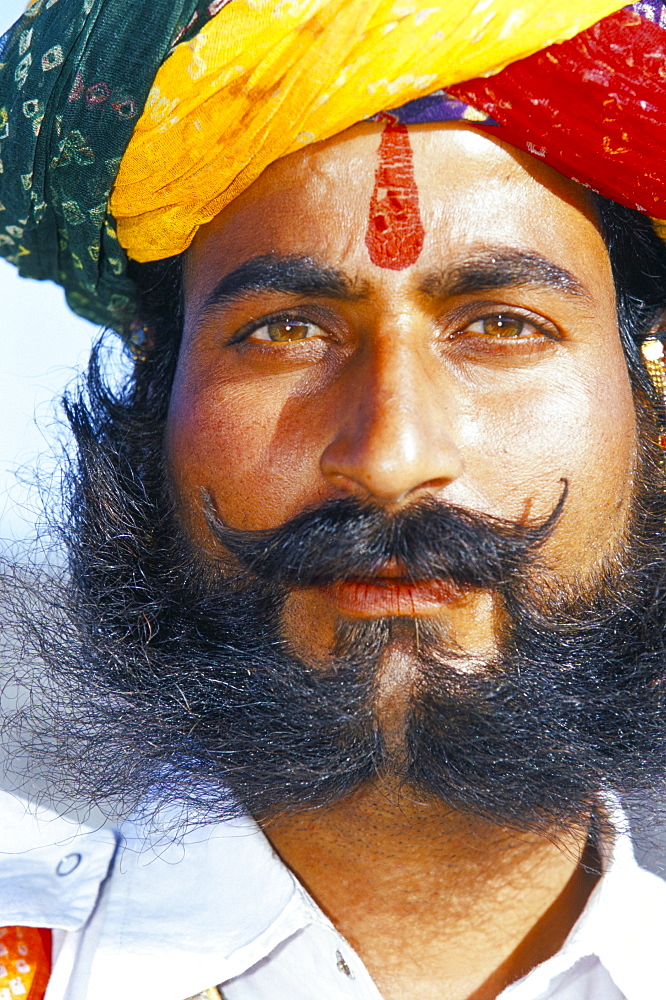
(388, 485)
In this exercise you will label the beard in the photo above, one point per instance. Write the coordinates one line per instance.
(164, 677)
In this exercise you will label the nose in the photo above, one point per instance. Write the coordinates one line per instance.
(394, 441)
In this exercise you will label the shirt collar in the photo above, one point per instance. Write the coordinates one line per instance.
(51, 867)
(621, 925)
(219, 900)
(216, 900)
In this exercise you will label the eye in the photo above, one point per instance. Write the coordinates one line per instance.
(505, 326)
(285, 331)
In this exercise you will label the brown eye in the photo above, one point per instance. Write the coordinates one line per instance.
(504, 326)
(288, 331)
(285, 331)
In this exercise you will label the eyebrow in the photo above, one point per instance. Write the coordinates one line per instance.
(493, 269)
(482, 271)
(288, 274)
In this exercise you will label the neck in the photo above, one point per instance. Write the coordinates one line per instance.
(438, 905)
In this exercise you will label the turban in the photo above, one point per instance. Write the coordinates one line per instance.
(127, 124)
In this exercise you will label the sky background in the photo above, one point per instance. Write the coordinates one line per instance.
(42, 345)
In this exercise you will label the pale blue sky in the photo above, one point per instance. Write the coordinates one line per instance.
(42, 344)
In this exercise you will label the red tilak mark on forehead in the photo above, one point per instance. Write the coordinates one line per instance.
(394, 237)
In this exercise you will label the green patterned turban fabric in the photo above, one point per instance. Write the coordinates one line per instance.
(74, 78)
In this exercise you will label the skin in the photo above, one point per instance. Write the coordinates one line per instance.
(406, 389)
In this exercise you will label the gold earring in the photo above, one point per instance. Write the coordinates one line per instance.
(654, 357)
(141, 342)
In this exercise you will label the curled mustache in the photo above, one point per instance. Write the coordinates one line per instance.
(345, 540)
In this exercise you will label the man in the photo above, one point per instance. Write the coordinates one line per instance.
(364, 601)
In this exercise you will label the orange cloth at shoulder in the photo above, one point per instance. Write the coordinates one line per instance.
(25, 962)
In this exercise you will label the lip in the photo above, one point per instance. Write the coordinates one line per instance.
(390, 596)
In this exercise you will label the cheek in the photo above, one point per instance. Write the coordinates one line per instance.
(582, 429)
(248, 448)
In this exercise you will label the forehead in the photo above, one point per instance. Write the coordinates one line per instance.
(474, 192)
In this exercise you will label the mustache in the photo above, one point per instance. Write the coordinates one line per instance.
(346, 539)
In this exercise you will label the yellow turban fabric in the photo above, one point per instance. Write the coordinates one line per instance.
(263, 78)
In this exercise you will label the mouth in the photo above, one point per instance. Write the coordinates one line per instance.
(390, 595)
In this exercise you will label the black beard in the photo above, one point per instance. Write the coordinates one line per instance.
(166, 679)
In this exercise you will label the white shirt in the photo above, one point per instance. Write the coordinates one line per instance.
(158, 920)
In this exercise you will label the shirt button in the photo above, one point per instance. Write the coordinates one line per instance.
(68, 864)
(342, 965)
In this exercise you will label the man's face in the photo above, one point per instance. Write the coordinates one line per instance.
(420, 524)
(483, 374)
